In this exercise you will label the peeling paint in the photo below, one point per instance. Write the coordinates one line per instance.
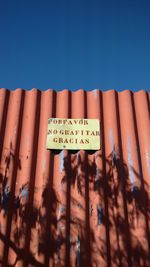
(111, 139)
(5, 197)
(62, 167)
(139, 162)
(99, 215)
(147, 156)
(24, 193)
(79, 163)
(95, 93)
(97, 173)
(62, 161)
(130, 161)
(114, 154)
(61, 209)
(97, 179)
(78, 251)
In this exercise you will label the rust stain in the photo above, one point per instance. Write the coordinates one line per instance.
(74, 208)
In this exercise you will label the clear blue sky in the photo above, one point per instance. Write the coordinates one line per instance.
(75, 44)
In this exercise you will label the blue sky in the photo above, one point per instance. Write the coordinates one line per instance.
(75, 44)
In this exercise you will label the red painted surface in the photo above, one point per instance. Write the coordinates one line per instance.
(74, 208)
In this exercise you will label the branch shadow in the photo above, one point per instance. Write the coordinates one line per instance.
(82, 176)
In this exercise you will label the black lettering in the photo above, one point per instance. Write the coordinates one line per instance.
(71, 133)
(93, 133)
(61, 132)
(85, 122)
(67, 132)
(49, 132)
(55, 131)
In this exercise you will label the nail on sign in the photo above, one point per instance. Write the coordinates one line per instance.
(73, 134)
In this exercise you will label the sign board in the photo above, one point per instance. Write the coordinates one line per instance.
(74, 134)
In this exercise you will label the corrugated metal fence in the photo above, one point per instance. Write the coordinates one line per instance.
(75, 208)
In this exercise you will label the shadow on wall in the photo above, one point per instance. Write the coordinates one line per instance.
(124, 204)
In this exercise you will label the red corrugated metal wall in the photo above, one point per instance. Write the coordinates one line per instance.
(74, 208)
